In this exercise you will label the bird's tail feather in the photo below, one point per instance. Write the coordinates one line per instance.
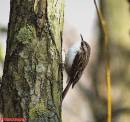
(66, 90)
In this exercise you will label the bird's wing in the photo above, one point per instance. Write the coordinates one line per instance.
(77, 68)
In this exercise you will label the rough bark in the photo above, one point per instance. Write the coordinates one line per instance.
(32, 77)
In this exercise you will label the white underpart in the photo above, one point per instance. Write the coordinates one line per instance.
(72, 51)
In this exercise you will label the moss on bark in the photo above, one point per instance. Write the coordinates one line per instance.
(32, 78)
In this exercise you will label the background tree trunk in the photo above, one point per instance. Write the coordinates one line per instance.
(32, 77)
(117, 17)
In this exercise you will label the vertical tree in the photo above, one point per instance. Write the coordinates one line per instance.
(32, 77)
(117, 17)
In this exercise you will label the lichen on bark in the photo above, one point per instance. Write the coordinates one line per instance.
(32, 78)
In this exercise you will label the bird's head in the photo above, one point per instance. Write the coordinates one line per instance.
(84, 45)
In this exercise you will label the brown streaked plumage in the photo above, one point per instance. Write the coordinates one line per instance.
(79, 63)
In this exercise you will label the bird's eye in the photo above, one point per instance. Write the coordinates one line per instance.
(82, 44)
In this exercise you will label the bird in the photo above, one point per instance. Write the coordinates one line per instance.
(76, 61)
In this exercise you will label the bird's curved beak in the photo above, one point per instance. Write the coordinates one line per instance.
(81, 37)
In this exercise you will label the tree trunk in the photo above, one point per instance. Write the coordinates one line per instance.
(116, 13)
(32, 77)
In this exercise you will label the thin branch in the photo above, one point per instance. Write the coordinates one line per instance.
(108, 75)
